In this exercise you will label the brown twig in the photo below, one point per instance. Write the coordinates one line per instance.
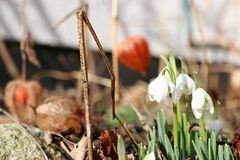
(30, 136)
(81, 18)
(24, 35)
(114, 47)
(71, 75)
(54, 25)
(127, 131)
(204, 65)
(105, 60)
(140, 117)
(86, 94)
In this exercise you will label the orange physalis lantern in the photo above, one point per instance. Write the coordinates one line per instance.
(134, 53)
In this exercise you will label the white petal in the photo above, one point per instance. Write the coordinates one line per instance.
(197, 113)
(151, 156)
(171, 86)
(199, 103)
(211, 106)
(175, 96)
(184, 84)
(198, 99)
(158, 89)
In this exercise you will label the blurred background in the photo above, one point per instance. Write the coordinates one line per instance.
(205, 33)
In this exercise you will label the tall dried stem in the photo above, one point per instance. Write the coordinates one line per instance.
(81, 18)
(204, 66)
(114, 47)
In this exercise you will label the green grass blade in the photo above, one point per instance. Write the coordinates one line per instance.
(162, 126)
(121, 148)
(142, 151)
(220, 152)
(198, 151)
(213, 145)
(210, 155)
(169, 149)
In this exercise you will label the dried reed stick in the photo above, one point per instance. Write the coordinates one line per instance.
(22, 42)
(114, 47)
(81, 18)
(204, 65)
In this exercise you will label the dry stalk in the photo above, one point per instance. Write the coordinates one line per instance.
(81, 19)
(71, 75)
(139, 115)
(204, 65)
(114, 47)
(24, 35)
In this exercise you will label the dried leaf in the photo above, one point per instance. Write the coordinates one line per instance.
(79, 150)
(29, 51)
(236, 145)
(61, 113)
(108, 141)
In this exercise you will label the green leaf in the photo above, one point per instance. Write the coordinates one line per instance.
(220, 152)
(210, 155)
(183, 66)
(121, 148)
(203, 147)
(226, 152)
(177, 156)
(198, 151)
(169, 149)
(193, 136)
(203, 131)
(197, 80)
(171, 71)
(142, 151)
(186, 135)
(213, 145)
(162, 126)
(173, 64)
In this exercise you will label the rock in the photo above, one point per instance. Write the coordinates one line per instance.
(16, 143)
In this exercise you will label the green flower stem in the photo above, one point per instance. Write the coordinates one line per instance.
(203, 132)
(187, 110)
(187, 103)
(179, 113)
(175, 126)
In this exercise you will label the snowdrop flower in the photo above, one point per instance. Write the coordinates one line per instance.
(201, 101)
(160, 88)
(150, 156)
(184, 85)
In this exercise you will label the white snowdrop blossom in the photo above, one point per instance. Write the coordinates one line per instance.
(160, 88)
(150, 156)
(201, 101)
(184, 85)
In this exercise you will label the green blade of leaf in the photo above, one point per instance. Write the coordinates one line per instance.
(121, 148)
(198, 151)
(142, 151)
(173, 63)
(183, 66)
(213, 145)
(220, 152)
(169, 149)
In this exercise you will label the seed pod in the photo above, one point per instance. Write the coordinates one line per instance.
(21, 98)
(134, 53)
(58, 114)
